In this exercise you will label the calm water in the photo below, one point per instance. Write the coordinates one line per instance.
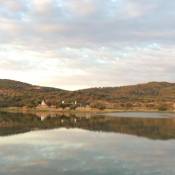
(116, 144)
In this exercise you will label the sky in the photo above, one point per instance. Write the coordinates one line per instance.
(76, 44)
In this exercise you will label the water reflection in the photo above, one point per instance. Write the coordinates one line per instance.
(77, 147)
(152, 128)
(76, 152)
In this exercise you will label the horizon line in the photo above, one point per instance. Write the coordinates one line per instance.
(93, 87)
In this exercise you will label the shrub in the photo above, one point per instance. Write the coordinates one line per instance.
(98, 105)
(162, 108)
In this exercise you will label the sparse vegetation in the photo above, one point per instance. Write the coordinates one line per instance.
(162, 108)
(148, 96)
(98, 105)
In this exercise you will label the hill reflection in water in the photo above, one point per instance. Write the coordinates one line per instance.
(152, 128)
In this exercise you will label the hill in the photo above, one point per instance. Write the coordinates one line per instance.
(153, 95)
(19, 94)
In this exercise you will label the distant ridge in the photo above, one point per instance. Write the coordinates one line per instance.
(152, 95)
(7, 83)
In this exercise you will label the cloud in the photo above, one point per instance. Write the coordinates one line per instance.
(83, 43)
(80, 8)
(88, 22)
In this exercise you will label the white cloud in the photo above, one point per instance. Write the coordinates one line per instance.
(83, 43)
(82, 8)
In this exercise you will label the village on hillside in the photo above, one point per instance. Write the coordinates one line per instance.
(74, 105)
(64, 106)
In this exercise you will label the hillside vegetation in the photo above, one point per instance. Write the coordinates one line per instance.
(153, 95)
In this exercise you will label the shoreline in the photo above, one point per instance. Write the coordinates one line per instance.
(58, 111)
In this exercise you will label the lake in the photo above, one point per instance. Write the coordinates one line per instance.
(108, 144)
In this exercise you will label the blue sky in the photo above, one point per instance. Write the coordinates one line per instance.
(75, 44)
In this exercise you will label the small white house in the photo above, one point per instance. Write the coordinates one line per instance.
(43, 103)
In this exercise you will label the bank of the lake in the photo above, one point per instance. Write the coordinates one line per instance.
(68, 112)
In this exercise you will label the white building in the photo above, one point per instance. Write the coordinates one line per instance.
(43, 103)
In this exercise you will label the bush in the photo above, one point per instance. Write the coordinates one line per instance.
(98, 105)
(129, 105)
(162, 108)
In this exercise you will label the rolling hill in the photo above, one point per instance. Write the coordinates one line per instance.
(153, 95)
